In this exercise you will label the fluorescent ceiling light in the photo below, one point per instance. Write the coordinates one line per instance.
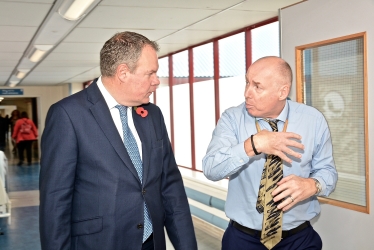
(39, 52)
(75, 10)
(21, 73)
(13, 83)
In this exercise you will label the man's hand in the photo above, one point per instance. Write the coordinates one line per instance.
(275, 143)
(293, 189)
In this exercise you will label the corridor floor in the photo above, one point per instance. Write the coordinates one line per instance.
(22, 233)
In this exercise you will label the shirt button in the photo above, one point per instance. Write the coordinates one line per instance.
(143, 191)
(140, 226)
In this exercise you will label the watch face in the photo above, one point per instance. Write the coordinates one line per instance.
(319, 187)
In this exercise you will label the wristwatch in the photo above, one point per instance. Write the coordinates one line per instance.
(318, 186)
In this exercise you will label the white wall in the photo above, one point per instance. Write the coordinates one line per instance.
(317, 20)
(75, 87)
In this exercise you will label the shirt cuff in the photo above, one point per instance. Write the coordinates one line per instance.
(239, 154)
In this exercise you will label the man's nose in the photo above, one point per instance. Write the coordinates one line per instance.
(156, 80)
(248, 92)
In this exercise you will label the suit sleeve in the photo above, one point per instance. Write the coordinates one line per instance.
(178, 221)
(57, 175)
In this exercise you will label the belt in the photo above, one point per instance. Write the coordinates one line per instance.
(285, 234)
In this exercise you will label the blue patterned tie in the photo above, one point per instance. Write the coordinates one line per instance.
(133, 151)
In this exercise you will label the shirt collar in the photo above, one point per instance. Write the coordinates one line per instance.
(283, 115)
(109, 99)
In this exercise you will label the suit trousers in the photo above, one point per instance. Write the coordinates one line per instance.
(234, 239)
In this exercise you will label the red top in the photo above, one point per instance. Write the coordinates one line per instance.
(18, 135)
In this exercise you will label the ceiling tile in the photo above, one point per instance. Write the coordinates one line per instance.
(16, 34)
(191, 37)
(143, 18)
(72, 56)
(232, 20)
(30, 1)
(100, 35)
(10, 56)
(190, 4)
(13, 46)
(8, 63)
(81, 48)
(23, 14)
(268, 5)
(47, 64)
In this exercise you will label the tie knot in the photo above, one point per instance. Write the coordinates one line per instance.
(122, 109)
(273, 125)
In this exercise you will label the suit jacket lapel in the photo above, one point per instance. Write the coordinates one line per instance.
(143, 127)
(103, 117)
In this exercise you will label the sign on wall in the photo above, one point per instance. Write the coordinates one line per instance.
(11, 92)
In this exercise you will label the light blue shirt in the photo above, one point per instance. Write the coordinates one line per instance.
(226, 157)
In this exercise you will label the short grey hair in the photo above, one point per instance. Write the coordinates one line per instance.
(124, 47)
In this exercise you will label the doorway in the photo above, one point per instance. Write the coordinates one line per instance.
(22, 104)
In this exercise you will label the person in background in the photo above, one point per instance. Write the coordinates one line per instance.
(14, 116)
(7, 120)
(24, 134)
(3, 132)
(108, 177)
(248, 146)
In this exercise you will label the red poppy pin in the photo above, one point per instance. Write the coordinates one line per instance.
(141, 111)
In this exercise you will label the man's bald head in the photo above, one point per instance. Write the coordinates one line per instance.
(278, 66)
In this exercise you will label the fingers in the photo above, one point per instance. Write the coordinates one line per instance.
(291, 190)
(287, 204)
(281, 144)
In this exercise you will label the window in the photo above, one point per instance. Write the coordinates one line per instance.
(204, 108)
(265, 41)
(162, 92)
(181, 102)
(231, 71)
(206, 80)
(331, 76)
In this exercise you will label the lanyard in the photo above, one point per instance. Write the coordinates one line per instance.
(285, 124)
(259, 129)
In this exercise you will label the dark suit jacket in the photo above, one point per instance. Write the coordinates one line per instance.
(90, 193)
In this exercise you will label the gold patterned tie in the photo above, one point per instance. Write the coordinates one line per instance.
(272, 173)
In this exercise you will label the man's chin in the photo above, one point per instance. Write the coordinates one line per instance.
(251, 112)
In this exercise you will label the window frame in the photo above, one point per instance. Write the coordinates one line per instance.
(300, 98)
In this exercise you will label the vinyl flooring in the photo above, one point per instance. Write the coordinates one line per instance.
(21, 230)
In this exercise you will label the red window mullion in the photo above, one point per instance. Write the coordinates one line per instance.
(192, 112)
(248, 48)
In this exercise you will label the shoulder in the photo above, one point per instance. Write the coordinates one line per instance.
(304, 110)
(152, 109)
(235, 112)
(72, 103)
(310, 118)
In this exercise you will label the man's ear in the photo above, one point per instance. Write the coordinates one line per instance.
(122, 71)
(283, 92)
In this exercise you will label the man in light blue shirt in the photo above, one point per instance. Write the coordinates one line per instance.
(305, 148)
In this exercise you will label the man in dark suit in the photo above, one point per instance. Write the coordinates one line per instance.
(93, 194)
